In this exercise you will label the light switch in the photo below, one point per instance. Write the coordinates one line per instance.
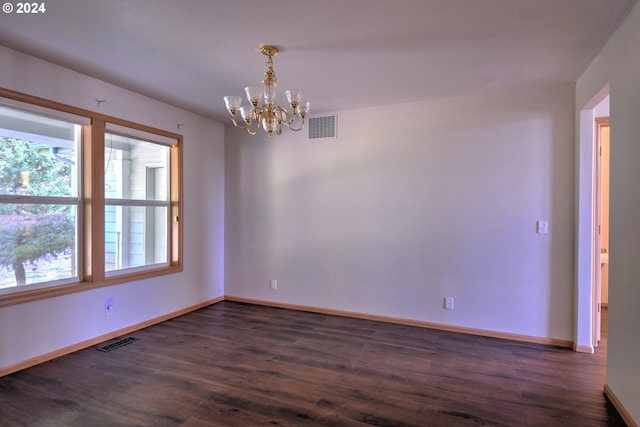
(543, 227)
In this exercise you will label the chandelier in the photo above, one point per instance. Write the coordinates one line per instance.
(269, 115)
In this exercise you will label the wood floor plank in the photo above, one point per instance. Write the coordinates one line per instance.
(234, 364)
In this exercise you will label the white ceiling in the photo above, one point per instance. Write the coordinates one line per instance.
(343, 53)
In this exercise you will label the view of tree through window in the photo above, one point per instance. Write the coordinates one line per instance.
(85, 200)
(38, 199)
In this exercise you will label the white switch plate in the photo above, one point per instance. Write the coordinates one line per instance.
(274, 284)
(543, 227)
(448, 303)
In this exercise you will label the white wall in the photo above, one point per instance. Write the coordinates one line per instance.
(410, 204)
(619, 65)
(36, 328)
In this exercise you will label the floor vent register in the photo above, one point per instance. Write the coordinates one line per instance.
(117, 344)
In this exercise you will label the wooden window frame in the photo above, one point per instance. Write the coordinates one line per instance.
(92, 233)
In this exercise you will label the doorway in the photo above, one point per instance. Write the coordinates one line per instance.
(588, 257)
(601, 225)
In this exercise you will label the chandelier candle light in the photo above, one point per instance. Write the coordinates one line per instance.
(269, 115)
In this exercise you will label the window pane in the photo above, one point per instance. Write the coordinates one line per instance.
(38, 244)
(38, 155)
(135, 169)
(38, 174)
(135, 236)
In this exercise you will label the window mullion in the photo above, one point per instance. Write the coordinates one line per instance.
(93, 188)
(175, 195)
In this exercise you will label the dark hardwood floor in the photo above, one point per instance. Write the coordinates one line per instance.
(235, 364)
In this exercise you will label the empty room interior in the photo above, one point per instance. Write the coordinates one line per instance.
(320, 213)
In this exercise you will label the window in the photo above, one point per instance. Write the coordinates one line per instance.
(85, 200)
(39, 199)
(136, 195)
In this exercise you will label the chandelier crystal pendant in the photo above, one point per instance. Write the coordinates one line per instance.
(267, 114)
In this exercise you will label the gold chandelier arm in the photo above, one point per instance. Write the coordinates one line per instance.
(236, 124)
(257, 122)
(301, 123)
(282, 115)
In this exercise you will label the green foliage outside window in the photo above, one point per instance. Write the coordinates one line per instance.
(32, 232)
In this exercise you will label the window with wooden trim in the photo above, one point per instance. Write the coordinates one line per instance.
(85, 200)
(39, 199)
(136, 192)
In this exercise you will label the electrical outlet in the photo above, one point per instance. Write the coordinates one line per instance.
(108, 307)
(448, 303)
(274, 284)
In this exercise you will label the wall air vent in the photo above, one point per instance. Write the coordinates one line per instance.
(322, 127)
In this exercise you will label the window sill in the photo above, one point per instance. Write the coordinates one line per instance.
(28, 295)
